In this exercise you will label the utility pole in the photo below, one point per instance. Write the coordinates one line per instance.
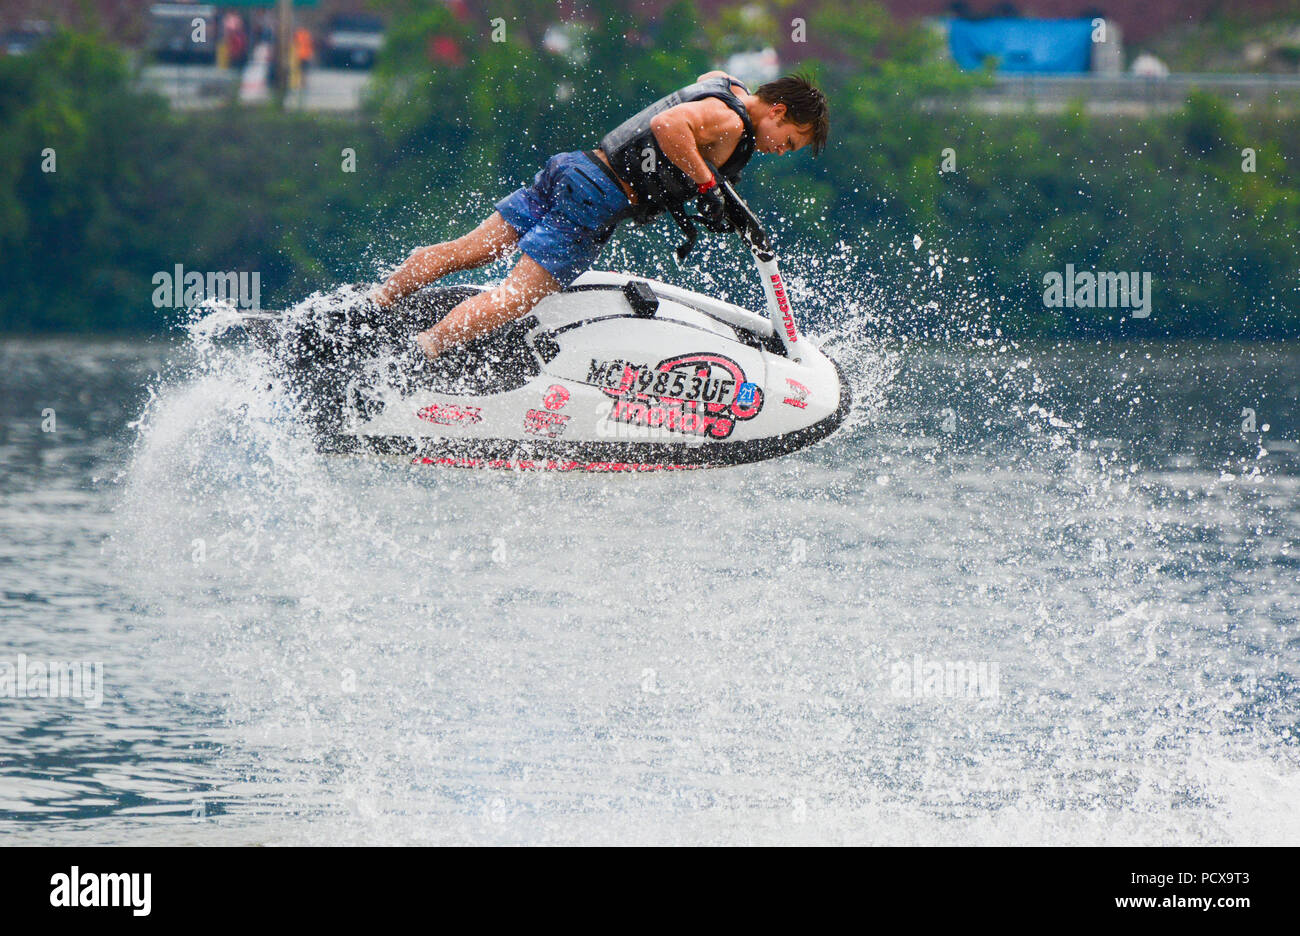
(283, 48)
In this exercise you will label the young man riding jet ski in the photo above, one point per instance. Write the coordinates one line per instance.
(656, 161)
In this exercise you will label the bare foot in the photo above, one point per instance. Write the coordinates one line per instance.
(429, 344)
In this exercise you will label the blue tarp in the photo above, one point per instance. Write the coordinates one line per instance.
(1022, 45)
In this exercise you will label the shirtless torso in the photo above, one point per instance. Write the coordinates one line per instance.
(696, 131)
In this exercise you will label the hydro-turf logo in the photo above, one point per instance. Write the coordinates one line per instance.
(84, 889)
(783, 305)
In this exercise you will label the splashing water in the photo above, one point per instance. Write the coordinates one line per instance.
(988, 609)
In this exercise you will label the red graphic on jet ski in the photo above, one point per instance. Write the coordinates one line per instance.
(556, 397)
(451, 414)
(551, 464)
(783, 304)
(696, 394)
(798, 394)
(543, 423)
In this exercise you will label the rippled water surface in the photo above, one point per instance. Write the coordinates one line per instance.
(298, 648)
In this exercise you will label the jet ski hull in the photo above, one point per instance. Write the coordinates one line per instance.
(615, 374)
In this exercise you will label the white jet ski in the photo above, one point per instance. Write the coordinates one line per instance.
(615, 373)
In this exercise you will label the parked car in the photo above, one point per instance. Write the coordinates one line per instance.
(353, 40)
(26, 37)
(172, 32)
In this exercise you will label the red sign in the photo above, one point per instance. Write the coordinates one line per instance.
(451, 414)
(540, 422)
(556, 397)
(778, 288)
(799, 398)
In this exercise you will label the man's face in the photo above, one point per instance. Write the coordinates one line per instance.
(774, 134)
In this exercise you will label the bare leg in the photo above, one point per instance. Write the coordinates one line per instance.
(490, 240)
(527, 284)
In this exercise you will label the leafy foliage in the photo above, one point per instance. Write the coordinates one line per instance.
(456, 120)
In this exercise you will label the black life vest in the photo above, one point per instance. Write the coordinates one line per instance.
(665, 185)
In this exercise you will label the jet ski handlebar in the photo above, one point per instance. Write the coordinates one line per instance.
(738, 218)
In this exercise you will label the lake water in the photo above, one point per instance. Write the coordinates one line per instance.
(304, 649)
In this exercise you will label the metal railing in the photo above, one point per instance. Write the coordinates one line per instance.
(1010, 91)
